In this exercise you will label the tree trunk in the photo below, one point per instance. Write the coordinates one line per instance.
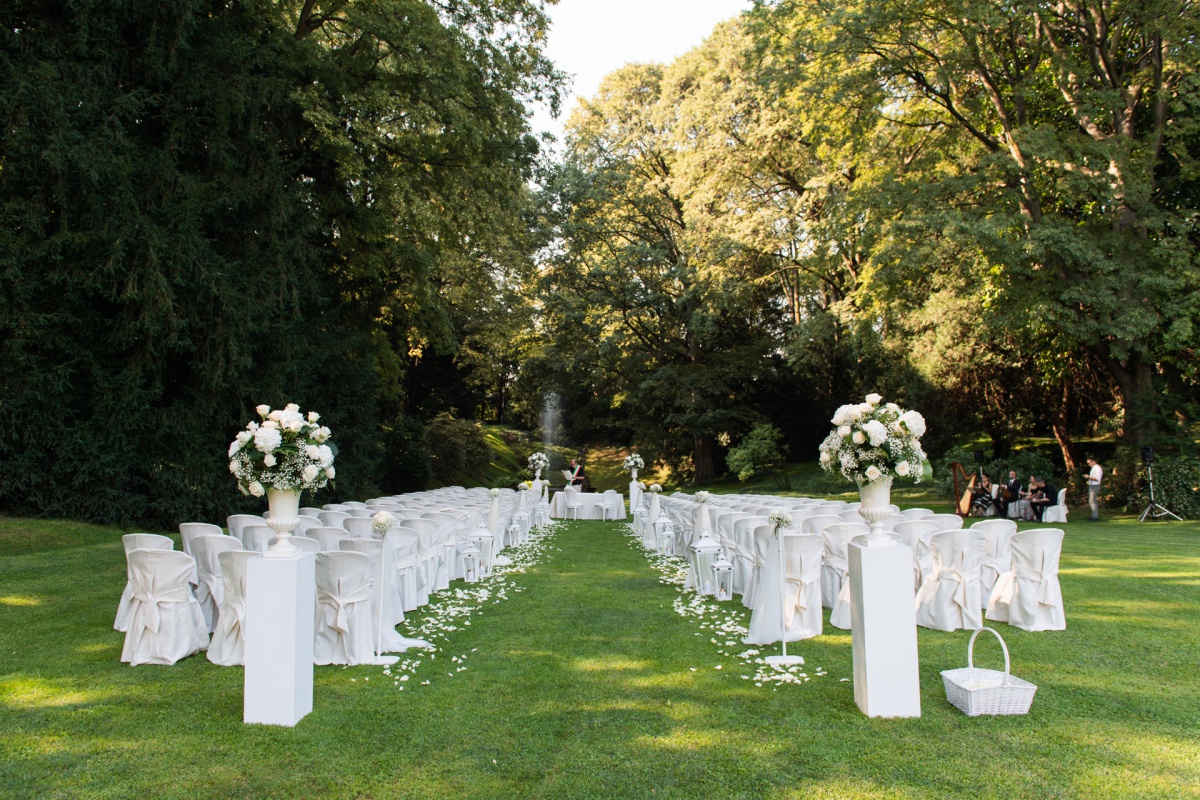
(702, 459)
(1135, 380)
(1061, 424)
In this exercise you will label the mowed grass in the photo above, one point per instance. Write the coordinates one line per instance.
(582, 686)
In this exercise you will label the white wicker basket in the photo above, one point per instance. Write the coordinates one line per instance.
(976, 691)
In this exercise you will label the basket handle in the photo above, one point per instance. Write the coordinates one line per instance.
(1003, 646)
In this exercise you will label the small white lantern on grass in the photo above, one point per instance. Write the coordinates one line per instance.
(484, 543)
(704, 554)
(664, 530)
(723, 576)
(470, 559)
(514, 533)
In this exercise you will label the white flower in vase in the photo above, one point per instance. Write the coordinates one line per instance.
(255, 488)
(263, 410)
(873, 473)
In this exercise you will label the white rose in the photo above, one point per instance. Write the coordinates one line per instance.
(858, 437)
(914, 422)
(256, 489)
(902, 468)
(263, 410)
(843, 431)
(268, 460)
(330, 472)
(272, 424)
(841, 416)
(313, 452)
(252, 428)
(824, 456)
(313, 416)
(233, 467)
(325, 454)
(895, 409)
(295, 425)
(234, 446)
(310, 473)
(292, 407)
(877, 432)
(244, 436)
(873, 473)
(874, 399)
(267, 439)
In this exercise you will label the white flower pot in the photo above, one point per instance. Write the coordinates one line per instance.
(284, 505)
(876, 507)
(634, 473)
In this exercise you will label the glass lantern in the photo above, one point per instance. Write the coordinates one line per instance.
(514, 533)
(722, 570)
(470, 559)
(483, 541)
(639, 520)
(704, 554)
(664, 529)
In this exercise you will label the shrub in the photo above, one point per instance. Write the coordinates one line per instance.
(1176, 487)
(760, 451)
(454, 445)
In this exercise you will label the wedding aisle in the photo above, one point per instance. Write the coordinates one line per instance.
(593, 679)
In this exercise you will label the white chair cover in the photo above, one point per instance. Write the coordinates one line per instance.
(166, 623)
(359, 527)
(209, 591)
(136, 541)
(256, 537)
(190, 530)
(1030, 596)
(304, 543)
(997, 553)
(228, 646)
(764, 542)
(742, 553)
(236, 522)
(793, 612)
(916, 513)
(329, 538)
(950, 598)
(916, 533)
(946, 522)
(834, 570)
(1057, 513)
(839, 615)
(406, 547)
(332, 519)
(344, 630)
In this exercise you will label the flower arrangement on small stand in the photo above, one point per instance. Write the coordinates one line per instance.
(872, 443)
(632, 463)
(281, 456)
(780, 521)
(538, 462)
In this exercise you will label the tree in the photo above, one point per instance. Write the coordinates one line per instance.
(759, 451)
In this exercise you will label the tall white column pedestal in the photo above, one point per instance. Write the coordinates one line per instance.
(635, 495)
(281, 603)
(883, 626)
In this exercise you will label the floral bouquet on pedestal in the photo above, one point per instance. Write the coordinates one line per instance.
(874, 441)
(633, 462)
(286, 450)
(538, 462)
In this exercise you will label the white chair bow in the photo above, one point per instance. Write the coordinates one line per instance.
(166, 623)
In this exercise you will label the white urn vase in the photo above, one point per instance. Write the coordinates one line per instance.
(634, 473)
(537, 474)
(876, 506)
(284, 505)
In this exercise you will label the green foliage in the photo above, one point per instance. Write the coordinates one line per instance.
(1176, 487)
(760, 451)
(455, 446)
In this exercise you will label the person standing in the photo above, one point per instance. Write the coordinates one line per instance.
(1094, 479)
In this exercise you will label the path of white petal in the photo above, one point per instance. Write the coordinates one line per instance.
(450, 610)
(728, 623)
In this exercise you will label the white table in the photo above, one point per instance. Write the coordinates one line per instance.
(592, 506)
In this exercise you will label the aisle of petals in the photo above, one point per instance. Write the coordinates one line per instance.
(452, 610)
(725, 623)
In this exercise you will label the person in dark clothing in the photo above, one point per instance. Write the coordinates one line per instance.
(1047, 496)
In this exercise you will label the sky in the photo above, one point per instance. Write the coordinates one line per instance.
(591, 38)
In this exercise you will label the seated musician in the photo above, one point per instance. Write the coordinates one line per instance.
(1047, 496)
(1009, 493)
(1027, 511)
(982, 499)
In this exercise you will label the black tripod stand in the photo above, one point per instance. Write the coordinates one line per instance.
(1154, 510)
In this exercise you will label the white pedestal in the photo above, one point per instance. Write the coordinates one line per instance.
(281, 602)
(635, 495)
(883, 625)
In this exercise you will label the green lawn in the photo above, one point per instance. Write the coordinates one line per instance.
(582, 685)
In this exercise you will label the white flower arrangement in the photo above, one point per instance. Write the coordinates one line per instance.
(382, 522)
(780, 519)
(702, 497)
(633, 461)
(871, 441)
(538, 461)
(654, 487)
(493, 492)
(286, 450)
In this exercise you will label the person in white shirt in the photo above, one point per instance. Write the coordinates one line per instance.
(1095, 476)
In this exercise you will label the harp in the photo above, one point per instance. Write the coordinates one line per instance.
(964, 491)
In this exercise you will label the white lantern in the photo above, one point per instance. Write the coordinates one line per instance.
(470, 559)
(704, 553)
(639, 520)
(514, 533)
(483, 540)
(664, 529)
(723, 576)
